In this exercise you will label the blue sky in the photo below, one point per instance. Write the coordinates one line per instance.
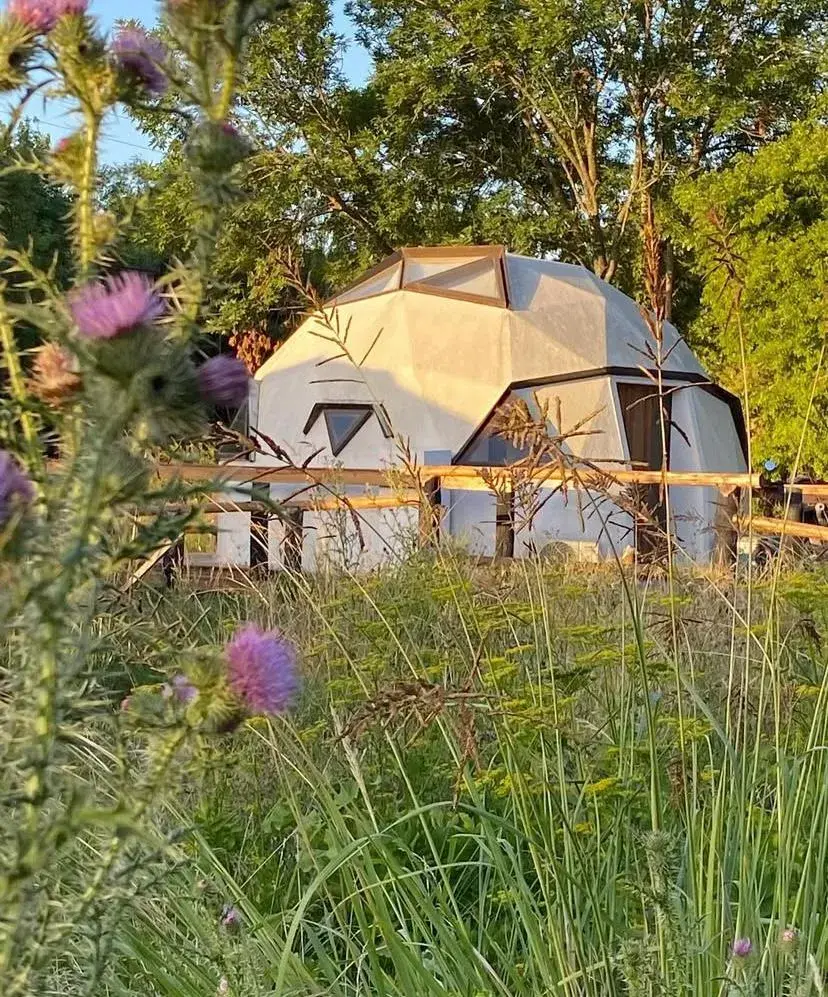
(122, 141)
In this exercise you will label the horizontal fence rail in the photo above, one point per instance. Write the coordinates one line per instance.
(422, 486)
(452, 476)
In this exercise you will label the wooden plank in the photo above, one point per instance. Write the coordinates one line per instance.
(727, 537)
(394, 500)
(454, 476)
(811, 494)
(293, 543)
(147, 565)
(766, 526)
(243, 474)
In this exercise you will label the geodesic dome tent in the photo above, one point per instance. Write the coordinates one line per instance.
(427, 348)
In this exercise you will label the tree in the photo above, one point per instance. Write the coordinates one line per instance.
(555, 127)
(759, 234)
(34, 212)
(593, 106)
(34, 216)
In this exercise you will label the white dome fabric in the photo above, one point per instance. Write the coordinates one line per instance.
(440, 337)
(430, 336)
(571, 304)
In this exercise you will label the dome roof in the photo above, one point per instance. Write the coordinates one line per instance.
(437, 335)
(562, 302)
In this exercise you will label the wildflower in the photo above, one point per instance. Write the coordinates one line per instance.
(231, 918)
(63, 8)
(789, 939)
(38, 15)
(54, 378)
(742, 948)
(181, 688)
(126, 703)
(141, 56)
(223, 380)
(15, 487)
(262, 669)
(223, 987)
(105, 309)
(42, 15)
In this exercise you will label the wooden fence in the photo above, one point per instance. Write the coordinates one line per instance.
(319, 490)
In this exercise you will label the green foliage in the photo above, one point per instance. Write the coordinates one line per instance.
(465, 806)
(541, 125)
(34, 214)
(759, 232)
(34, 211)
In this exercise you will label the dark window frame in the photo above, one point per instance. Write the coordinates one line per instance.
(366, 409)
(671, 378)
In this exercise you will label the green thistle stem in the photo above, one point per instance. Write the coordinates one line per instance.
(17, 382)
(16, 891)
(86, 196)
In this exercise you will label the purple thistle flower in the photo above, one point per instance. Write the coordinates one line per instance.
(43, 15)
(104, 309)
(224, 380)
(63, 8)
(742, 948)
(262, 669)
(181, 688)
(15, 487)
(141, 56)
(37, 15)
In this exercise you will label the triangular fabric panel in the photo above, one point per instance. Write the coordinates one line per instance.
(479, 277)
(489, 447)
(381, 283)
(417, 270)
(343, 425)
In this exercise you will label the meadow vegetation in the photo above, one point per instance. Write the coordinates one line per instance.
(511, 779)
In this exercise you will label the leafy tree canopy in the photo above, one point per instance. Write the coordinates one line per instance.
(33, 211)
(558, 128)
(759, 232)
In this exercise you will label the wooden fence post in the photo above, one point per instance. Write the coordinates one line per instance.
(727, 537)
(260, 528)
(430, 512)
(793, 505)
(293, 543)
(505, 525)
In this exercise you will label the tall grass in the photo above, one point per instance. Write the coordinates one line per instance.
(514, 780)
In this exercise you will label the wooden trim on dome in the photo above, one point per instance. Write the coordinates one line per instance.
(447, 292)
(460, 251)
(496, 253)
(373, 271)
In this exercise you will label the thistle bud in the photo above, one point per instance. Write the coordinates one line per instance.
(16, 490)
(216, 147)
(16, 48)
(54, 376)
(788, 940)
